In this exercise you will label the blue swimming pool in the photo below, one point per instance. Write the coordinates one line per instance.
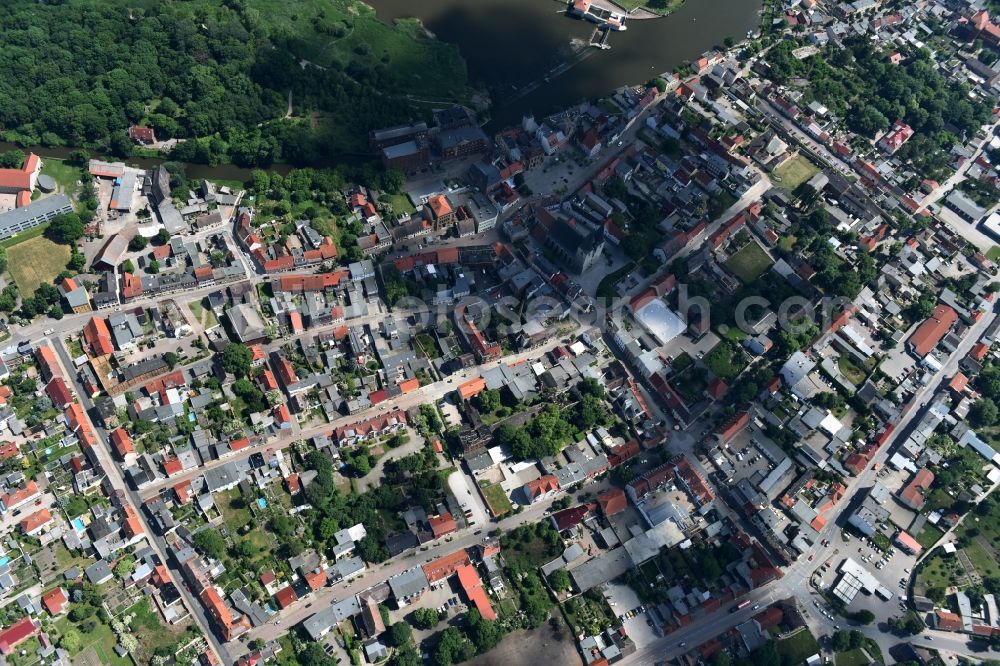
(78, 524)
(261, 502)
(4, 560)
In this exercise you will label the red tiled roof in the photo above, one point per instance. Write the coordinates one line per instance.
(912, 494)
(98, 336)
(19, 496)
(733, 427)
(906, 541)
(439, 205)
(442, 525)
(16, 634)
(35, 521)
(132, 285)
(121, 441)
(20, 178)
(59, 392)
(316, 579)
(948, 621)
(47, 359)
(471, 388)
(470, 583)
(613, 501)
(543, 484)
(285, 597)
(929, 333)
(571, 517)
(958, 382)
(183, 492)
(445, 565)
(55, 600)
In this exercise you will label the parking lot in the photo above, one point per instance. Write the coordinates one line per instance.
(635, 617)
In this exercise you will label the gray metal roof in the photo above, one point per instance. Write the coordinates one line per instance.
(35, 213)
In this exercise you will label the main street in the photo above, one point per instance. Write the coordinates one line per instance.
(114, 474)
(795, 582)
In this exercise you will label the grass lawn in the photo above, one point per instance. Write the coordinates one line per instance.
(726, 360)
(985, 565)
(793, 173)
(66, 175)
(196, 309)
(497, 499)
(787, 243)
(796, 649)
(101, 639)
(929, 535)
(35, 261)
(938, 570)
(749, 263)
(34, 232)
(853, 657)
(401, 204)
(994, 253)
(851, 370)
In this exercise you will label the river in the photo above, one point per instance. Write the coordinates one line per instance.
(510, 45)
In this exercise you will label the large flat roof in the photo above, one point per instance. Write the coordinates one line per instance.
(661, 322)
(34, 213)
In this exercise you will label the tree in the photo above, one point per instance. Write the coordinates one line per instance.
(81, 612)
(236, 359)
(483, 633)
(406, 656)
(78, 157)
(560, 581)
(488, 401)
(171, 359)
(138, 243)
(426, 618)
(984, 413)
(400, 634)
(841, 641)
(721, 658)
(3, 259)
(55, 312)
(153, 267)
(127, 266)
(125, 566)
(70, 640)
(453, 648)
(162, 237)
(66, 229)
(252, 396)
(863, 616)
(211, 543)
(312, 655)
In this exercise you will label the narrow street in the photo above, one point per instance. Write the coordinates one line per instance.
(114, 474)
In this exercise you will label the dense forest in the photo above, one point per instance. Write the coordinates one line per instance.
(80, 72)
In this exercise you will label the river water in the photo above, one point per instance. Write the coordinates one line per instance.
(510, 45)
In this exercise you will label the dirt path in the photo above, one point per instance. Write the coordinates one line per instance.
(538, 646)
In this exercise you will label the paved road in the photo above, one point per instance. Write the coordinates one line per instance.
(114, 474)
(959, 176)
(797, 576)
(378, 574)
(426, 394)
(755, 192)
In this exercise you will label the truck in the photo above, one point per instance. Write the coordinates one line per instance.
(740, 606)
